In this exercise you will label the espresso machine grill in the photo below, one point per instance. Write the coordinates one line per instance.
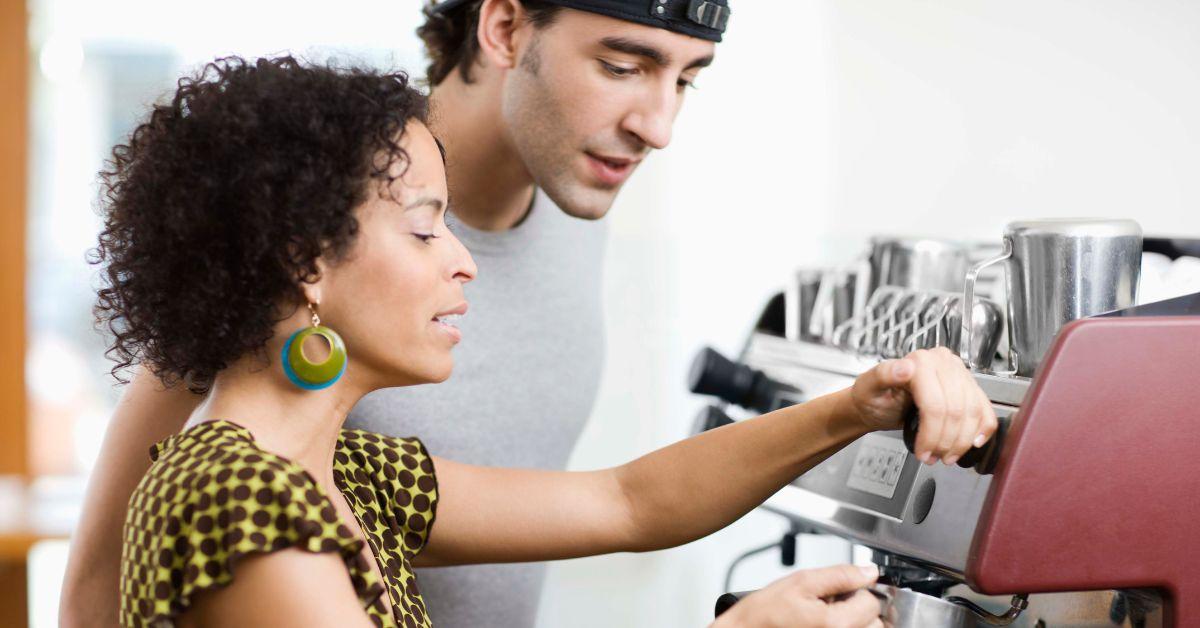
(1085, 511)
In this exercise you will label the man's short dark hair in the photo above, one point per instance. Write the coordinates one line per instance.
(450, 37)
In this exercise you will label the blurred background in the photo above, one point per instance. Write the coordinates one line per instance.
(822, 123)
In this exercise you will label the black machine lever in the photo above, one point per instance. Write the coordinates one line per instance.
(710, 418)
(982, 459)
(714, 374)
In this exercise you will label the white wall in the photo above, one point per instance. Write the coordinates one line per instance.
(824, 122)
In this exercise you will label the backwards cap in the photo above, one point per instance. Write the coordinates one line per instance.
(705, 19)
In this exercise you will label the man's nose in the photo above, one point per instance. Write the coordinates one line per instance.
(651, 121)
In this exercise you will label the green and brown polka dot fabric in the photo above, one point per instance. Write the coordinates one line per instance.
(212, 497)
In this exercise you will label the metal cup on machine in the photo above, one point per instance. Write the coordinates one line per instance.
(917, 263)
(1057, 270)
(800, 300)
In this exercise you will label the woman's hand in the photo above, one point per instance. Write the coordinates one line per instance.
(833, 597)
(955, 413)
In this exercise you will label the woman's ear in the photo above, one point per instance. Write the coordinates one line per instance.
(500, 22)
(312, 291)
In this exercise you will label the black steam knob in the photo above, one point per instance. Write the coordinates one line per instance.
(710, 418)
(727, 600)
(982, 459)
(717, 375)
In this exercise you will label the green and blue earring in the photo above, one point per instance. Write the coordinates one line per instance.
(311, 375)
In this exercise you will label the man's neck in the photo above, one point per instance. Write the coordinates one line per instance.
(490, 188)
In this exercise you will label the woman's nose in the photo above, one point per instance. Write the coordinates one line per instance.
(462, 266)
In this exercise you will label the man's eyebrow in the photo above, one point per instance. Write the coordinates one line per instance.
(702, 62)
(632, 47)
(426, 201)
(659, 57)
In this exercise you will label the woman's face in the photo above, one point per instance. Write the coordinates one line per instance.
(390, 295)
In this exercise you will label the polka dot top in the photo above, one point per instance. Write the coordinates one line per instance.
(212, 496)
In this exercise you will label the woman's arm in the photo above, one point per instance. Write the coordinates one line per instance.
(145, 415)
(697, 486)
(288, 588)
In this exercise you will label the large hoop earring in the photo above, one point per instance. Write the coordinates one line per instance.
(305, 373)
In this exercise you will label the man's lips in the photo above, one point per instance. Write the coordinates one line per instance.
(611, 170)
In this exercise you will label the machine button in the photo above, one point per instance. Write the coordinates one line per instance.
(923, 500)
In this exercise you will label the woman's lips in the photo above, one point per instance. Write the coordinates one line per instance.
(611, 171)
(453, 332)
(447, 322)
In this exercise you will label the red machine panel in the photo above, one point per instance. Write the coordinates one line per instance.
(1098, 486)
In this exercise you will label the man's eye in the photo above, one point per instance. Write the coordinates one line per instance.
(617, 70)
(685, 83)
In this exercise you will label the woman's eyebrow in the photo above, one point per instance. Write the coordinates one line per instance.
(426, 201)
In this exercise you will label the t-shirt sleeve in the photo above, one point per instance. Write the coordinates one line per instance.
(191, 529)
(404, 469)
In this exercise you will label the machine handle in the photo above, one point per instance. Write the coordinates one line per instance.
(714, 374)
(982, 459)
(966, 339)
(710, 418)
(727, 600)
(1017, 605)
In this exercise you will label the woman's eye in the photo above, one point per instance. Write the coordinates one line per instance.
(425, 237)
(618, 71)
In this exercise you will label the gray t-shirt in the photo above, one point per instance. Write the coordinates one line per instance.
(524, 382)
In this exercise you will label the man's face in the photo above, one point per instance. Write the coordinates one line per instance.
(590, 97)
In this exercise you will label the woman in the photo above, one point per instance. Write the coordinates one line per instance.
(275, 238)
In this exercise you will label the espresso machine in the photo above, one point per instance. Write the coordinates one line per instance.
(1077, 513)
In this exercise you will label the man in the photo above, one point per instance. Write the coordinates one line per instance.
(529, 96)
(545, 108)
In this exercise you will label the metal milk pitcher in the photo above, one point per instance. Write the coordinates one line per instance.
(917, 263)
(1058, 270)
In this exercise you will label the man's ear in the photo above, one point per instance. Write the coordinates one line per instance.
(500, 31)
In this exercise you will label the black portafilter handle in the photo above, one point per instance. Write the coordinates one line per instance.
(727, 600)
(710, 418)
(982, 459)
(717, 375)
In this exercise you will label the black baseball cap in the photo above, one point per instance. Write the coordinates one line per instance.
(705, 19)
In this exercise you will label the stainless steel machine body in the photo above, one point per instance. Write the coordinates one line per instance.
(919, 520)
(1078, 512)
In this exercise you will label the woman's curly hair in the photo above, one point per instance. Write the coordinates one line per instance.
(450, 39)
(221, 202)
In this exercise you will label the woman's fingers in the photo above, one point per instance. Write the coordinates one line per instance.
(972, 413)
(990, 423)
(955, 413)
(831, 581)
(930, 399)
(955, 394)
(860, 609)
